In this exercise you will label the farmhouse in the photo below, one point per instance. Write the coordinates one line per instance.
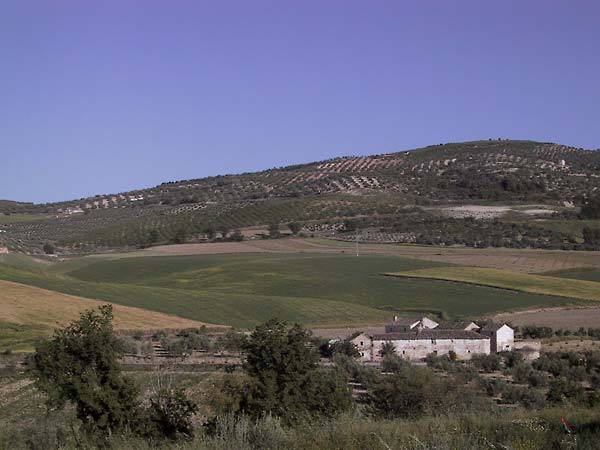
(415, 338)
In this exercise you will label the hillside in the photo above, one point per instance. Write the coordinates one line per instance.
(29, 313)
(320, 195)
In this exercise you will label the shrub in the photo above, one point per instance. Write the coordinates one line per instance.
(487, 363)
(392, 363)
(562, 390)
(169, 415)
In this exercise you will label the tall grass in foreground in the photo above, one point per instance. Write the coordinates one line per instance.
(515, 429)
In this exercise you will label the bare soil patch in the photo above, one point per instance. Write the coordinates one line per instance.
(556, 318)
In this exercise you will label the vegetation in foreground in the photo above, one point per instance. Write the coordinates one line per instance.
(283, 400)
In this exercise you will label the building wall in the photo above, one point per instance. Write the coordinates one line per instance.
(419, 348)
(363, 343)
(505, 339)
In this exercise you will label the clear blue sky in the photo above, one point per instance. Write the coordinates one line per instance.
(106, 96)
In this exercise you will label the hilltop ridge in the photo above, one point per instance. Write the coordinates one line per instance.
(506, 171)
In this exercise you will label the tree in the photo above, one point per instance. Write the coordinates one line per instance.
(591, 209)
(350, 225)
(274, 230)
(237, 236)
(211, 232)
(48, 248)
(294, 227)
(285, 381)
(387, 349)
(80, 365)
(153, 237)
(591, 236)
(180, 236)
(224, 229)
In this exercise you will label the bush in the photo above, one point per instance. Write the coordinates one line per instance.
(169, 415)
(487, 363)
(562, 390)
(411, 393)
(393, 363)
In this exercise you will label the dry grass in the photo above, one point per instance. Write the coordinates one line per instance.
(27, 305)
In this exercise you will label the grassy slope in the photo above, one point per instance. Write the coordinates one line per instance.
(28, 313)
(213, 307)
(538, 284)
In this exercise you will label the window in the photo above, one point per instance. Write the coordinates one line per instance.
(361, 343)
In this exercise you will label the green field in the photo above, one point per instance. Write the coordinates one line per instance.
(537, 284)
(245, 289)
(583, 273)
(16, 218)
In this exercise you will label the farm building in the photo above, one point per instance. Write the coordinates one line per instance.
(415, 338)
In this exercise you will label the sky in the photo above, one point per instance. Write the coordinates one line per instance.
(104, 97)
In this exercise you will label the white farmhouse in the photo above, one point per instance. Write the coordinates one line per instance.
(415, 338)
(502, 337)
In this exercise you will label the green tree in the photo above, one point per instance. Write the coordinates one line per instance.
(274, 230)
(48, 248)
(180, 236)
(211, 232)
(387, 349)
(591, 209)
(224, 230)
(294, 227)
(237, 236)
(153, 237)
(285, 381)
(80, 365)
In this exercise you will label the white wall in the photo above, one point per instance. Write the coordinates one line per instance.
(419, 348)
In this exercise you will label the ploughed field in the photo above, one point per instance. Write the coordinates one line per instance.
(319, 289)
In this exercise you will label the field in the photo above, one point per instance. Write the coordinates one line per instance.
(582, 273)
(557, 318)
(29, 313)
(333, 289)
(537, 284)
(317, 282)
(18, 218)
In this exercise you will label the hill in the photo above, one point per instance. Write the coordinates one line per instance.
(380, 191)
(29, 312)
